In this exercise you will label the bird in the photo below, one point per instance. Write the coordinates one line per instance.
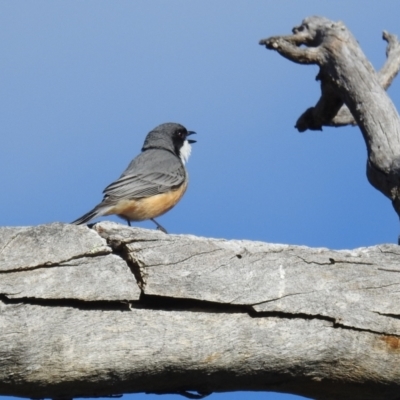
(153, 182)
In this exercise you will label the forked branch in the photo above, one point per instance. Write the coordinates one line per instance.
(352, 93)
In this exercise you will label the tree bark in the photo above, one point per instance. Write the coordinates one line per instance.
(349, 82)
(113, 309)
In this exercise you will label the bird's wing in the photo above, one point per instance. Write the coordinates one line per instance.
(145, 184)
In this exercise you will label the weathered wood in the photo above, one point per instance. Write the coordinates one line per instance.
(386, 75)
(214, 315)
(90, 279)
(24, 248)
(348, 78)
(28, 254)
(348, 287)
(97, 352)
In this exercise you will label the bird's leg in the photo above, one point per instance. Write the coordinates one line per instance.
(129, 222)
(159, 227)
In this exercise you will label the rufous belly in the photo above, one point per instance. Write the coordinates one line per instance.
(147, 207)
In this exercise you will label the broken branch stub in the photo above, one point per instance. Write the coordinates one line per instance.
(350, 85)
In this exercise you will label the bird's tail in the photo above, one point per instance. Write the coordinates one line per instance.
(96, 212)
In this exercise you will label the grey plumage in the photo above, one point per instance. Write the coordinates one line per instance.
(143, 178)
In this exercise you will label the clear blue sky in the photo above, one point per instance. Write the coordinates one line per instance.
(82, 82)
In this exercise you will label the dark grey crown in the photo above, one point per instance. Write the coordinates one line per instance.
(169, 136)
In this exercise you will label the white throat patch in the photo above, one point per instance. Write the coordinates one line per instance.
(185, 151)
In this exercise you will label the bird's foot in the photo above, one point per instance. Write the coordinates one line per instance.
(159, 227)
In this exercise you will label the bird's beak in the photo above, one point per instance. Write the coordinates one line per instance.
(191, 140)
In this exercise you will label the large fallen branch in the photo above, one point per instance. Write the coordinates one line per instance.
(113, 309)
(349, 82)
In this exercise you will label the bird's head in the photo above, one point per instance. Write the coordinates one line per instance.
(172, 137)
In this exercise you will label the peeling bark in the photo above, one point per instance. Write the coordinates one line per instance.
(114, 309)
(350, 85)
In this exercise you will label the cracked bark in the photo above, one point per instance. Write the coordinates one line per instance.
(113, 309)
(351, 93)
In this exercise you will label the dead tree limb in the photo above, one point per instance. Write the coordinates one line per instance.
(386, 76)
(348, 81)
(110, 310)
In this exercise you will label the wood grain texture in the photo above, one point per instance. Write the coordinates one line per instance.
(35, 261)
(213, 315)
(347, 78)
(386, 75)
(107, 278)
(351, 288)
(23, 248)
